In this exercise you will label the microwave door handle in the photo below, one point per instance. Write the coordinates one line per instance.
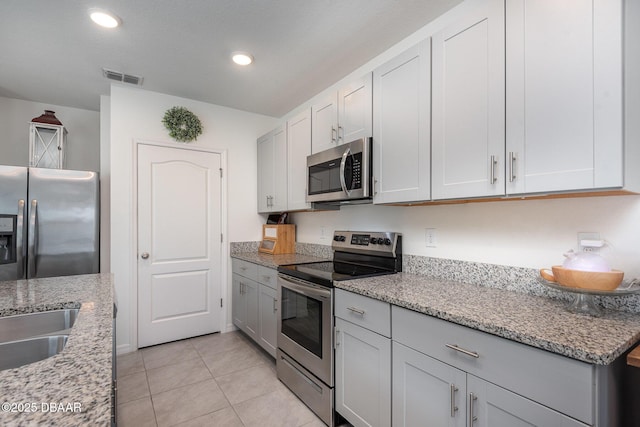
(343, 163)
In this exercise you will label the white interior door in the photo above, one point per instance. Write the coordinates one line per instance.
(179, 249)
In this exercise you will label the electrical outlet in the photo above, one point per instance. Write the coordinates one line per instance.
(431, 237)
(588, 236)
(323, 233)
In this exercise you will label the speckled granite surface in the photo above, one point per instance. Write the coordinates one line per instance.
(310, 249)
(517, 279)
(273, 261)
(537, 321)
(79, 377)
(243, 247)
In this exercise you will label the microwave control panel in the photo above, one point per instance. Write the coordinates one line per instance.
(356, 172)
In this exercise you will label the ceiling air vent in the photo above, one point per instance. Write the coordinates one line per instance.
(121, 77)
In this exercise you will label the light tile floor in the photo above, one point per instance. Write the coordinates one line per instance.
(213, 380)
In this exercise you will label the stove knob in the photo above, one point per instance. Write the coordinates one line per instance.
(337, 237)
(342, 238)
(380, 240)
(387, 242)
(373, 240)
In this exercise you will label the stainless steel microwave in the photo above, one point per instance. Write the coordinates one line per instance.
(340, 174)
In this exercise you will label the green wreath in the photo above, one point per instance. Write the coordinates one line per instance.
(183, 125)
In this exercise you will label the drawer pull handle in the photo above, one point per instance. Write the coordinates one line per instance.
(454, 408)
(462, 350)
(472, 418)
(356, 310)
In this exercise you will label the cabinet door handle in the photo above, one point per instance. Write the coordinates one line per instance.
(336, 335)
(275, 305)
(492, 170)
(472, 418)
(512, 166)
(356, 310)
(462, 350)
(334, 134)
(340, 130)
(454, 408)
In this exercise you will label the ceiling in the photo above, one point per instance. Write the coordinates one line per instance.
(51, 52)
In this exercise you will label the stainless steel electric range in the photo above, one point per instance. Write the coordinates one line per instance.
(305, 359)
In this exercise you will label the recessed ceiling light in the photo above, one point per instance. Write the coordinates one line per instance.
(104, 18)
(242, 58)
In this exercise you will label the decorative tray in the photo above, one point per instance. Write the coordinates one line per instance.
(583, 301)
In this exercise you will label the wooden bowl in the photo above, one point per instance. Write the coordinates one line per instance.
(593, 280)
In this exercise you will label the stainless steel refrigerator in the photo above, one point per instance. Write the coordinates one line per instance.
(49, 222)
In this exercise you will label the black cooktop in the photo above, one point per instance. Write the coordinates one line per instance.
(325, 272)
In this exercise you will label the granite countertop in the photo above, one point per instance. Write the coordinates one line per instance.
(537, 321)
(273, 261)
(78, 378)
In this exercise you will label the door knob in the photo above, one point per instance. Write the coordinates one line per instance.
(144, 255)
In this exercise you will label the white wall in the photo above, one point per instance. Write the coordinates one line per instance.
(83, 138)
(522, 233)
(136, 115)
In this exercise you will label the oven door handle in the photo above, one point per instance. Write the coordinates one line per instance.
(305, 288)
(343, 162)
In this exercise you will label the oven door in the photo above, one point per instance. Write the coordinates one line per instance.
(340, 173)
(305, 325)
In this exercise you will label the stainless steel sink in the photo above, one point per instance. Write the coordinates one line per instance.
(21, 326)
(17, 353)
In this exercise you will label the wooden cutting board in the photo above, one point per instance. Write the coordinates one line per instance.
(633, 358)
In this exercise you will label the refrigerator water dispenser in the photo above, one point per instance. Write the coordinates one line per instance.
(8, 239)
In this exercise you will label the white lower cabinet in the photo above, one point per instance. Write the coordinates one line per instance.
(459, 376)
(490, 405)
(268, 319)
(254, 303)
(362, 360)
(245, 305)
(427, 389)
(363, 375)
(419, 370)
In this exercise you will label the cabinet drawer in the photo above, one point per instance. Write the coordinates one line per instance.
(558, 382)
(245, 268)
(363, 311)
(268, 276)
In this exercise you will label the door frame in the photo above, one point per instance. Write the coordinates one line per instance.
(224, 244)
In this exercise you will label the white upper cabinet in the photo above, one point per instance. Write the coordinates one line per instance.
(468, 115)
(272, 171)
(354, 110)
(299, 147)
(401, 133)
(324, 124)
(342, 117)
(564, 95)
